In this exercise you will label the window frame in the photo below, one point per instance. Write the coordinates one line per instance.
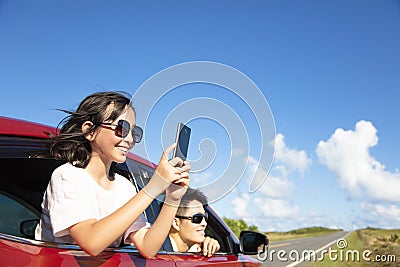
(228, 246)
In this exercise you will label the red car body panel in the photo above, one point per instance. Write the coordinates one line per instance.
(22, 254)
(9, 126)
(219, 260)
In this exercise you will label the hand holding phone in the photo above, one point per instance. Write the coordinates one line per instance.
(182, 141)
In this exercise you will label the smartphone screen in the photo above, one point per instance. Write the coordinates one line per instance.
(182, 141)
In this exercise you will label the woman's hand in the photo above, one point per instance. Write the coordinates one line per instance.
(170, 174)
(177, 189)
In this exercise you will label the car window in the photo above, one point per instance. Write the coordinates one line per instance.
(26, 179)
(13, 214)
(141, 175)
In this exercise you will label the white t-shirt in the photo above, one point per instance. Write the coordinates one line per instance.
(73, 196)
(193, 248)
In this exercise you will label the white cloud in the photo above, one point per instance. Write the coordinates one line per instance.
(381, 211)
(276, 186)
(240, 205)
(272, 207)
(287, 160)
(347, 154)
(296, 220)
(294, 160)
(380, 215)
(271, 202)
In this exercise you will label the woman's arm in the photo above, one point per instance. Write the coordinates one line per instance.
(148, 241)
(93, 236)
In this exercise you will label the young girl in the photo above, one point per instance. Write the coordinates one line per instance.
(86, 202)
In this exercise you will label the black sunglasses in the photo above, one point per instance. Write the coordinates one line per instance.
(122, 130)
(196, 218)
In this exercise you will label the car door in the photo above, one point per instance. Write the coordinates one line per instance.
(22, 182)
(25, 252)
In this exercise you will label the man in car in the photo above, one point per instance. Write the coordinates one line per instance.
(187, 233)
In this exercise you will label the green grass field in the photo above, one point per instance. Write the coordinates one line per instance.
(366, 247)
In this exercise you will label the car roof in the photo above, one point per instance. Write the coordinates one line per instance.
(23, 128)
(16, 127)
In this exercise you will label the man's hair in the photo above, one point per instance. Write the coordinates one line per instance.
(191, 195)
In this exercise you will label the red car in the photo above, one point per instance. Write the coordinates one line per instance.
(25, 172)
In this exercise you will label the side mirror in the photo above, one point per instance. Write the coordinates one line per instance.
(27, 228)
(253, 243)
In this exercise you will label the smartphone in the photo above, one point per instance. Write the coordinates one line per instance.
(182, 141)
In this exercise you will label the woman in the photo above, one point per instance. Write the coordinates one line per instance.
(86, 202)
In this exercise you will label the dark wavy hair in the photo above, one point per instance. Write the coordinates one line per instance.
(70, 143)
(191, 195)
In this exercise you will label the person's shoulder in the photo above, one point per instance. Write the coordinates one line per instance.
(65, 167)
(119, 179)
(67, 171)
(124, 186)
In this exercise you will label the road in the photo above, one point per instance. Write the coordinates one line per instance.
(300, 252)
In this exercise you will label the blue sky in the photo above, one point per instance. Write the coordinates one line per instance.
(328, 69)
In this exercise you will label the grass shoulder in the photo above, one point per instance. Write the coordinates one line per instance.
(366, 247)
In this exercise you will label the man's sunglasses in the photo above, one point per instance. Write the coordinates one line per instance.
(196, 218)
(122, 129)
